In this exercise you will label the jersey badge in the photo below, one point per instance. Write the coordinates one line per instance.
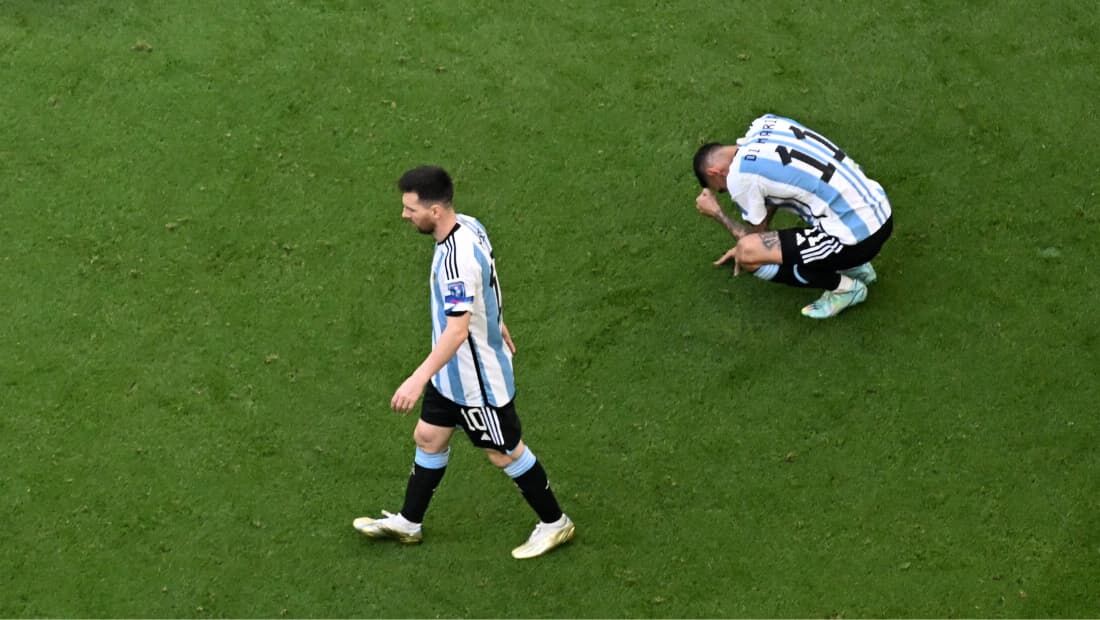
(456, 293)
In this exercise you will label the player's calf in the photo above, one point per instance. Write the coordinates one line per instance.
(865, 273)
(554, 527)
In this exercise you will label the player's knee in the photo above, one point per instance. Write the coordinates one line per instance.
(750, 252)
(499, 459)
(428, 440)
(504, 459)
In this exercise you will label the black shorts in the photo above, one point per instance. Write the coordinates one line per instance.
(497, 428)
(813, 247)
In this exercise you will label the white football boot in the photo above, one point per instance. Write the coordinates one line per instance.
(394, 526)
(545, 537)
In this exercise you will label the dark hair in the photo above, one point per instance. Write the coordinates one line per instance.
(431, 184)
(701, 157)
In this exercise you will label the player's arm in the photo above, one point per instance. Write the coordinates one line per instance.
(507, 338)
(748, 195)
(707, 204)
(454, 334)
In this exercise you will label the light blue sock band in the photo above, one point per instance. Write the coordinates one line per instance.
(767, 272)
(521, 465)
(430, 460)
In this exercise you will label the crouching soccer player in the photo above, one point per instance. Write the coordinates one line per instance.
(467, 379)
(781, 164)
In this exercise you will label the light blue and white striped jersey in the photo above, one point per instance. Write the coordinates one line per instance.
(781, 163)
(464, 279)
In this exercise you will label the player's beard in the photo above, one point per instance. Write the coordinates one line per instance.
(426, 227)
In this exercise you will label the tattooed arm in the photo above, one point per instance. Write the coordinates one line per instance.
(739, 230)
(736, 229)
(707, 204)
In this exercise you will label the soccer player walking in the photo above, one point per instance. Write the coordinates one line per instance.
(467, 379)
(781, 164)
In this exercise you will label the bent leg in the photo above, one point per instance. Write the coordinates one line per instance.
(527, 472)
(429, 465)
(758, 249)
(431, 437)
(762, 255)
(803, 277)
(504, 459)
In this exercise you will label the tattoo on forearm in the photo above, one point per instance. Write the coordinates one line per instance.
(770, 239)
(735, 229)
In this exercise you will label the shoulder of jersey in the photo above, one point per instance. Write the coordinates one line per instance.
(469, 221)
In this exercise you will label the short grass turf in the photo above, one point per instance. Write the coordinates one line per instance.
(209, 299)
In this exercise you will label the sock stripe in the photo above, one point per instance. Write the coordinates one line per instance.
(432, 460)
(766, 272)
(522, 465)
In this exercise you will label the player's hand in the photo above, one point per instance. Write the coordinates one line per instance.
(707, 204)
(726, 258)
(404, 399)
(507, 338)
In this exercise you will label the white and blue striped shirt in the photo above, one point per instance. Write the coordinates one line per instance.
(781, 163)
(464, 280)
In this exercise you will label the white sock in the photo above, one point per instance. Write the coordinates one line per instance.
(560, 522)
(846, 284)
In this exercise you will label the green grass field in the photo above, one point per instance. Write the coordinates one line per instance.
(209, 297)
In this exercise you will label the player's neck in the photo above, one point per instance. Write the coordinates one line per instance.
(446, 224)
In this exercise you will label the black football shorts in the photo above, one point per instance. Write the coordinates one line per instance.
(496, 428)
(816, 248)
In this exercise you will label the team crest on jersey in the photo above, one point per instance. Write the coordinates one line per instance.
(456, 294)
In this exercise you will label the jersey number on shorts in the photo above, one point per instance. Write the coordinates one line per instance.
(789, 155)
(474, 418)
